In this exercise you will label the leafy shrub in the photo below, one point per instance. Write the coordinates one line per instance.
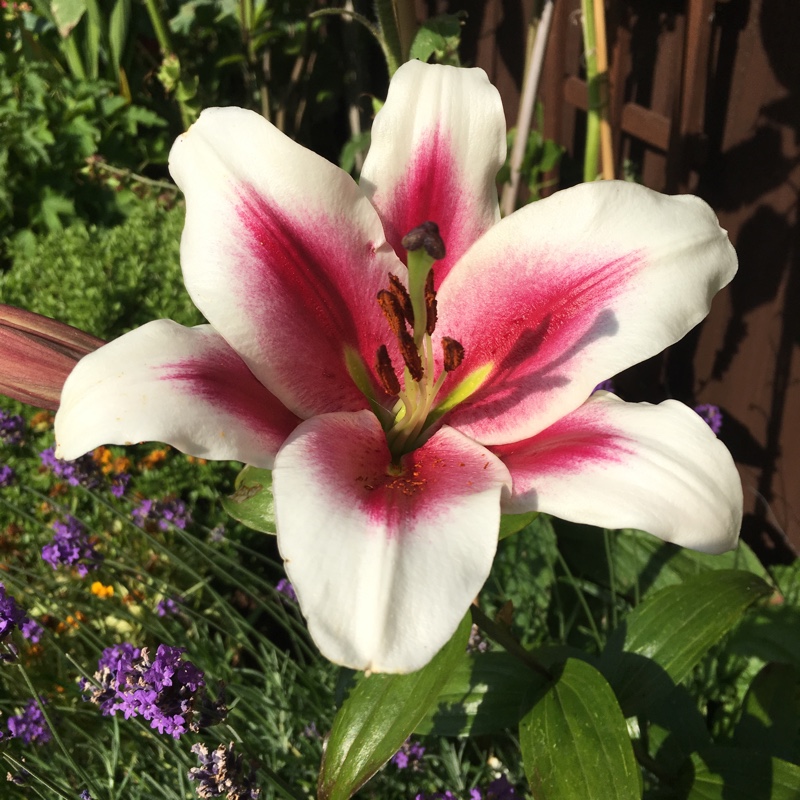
(50, 126)
(104, 280)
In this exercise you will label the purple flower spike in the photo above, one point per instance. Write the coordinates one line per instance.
(286, 589)
(31, 630)
(30, 725)
(161, 514)
(222, 773)
(6, 475)
(12, 428)
(167, 691)
(712, 415)
(82, 471)
(11, 615)
(168, 607)
(409, 756)
(71, 547)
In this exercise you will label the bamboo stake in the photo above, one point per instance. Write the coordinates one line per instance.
(530, 86)
(606, 152)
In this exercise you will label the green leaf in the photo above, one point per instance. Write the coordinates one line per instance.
(641, 563)
(484, 694)
(662, 640)
(67, 14)
(118, 25)
(675, 730)
(514, 523)
(252, 502)
(729, 773)
(379, 715)
(770, 713)
(440, 35)
(575, 742)
(771, 634)
(357, 143)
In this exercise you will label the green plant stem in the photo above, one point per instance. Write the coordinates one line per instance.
(127, 174)
(581, 599)
(159, 27)
(390, 34)
(592, 152)
(165, 45)
(503, 637)
(44, 781)
(61, 746)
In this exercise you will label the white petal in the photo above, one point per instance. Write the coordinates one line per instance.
(284, 256)
(437, 145)
(385, 563)
(183, 386)
(570, 290)
(612, 464)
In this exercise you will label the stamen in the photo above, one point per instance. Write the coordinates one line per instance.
(428, 237)
(392, 310)
(430, 304)
(386, 373)
(453, 353)
(399, 291)
(410, 354)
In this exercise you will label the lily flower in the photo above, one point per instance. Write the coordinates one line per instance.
(411, 366)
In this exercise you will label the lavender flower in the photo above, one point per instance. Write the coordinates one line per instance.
(217, 534)
(31, 630)
(12, 428)
(30, 725)
(83, 471)
(222, 774)
(169, 606)
(152, 514)
(477, 643)
(166, 691)
(409, 756)
(71, 547)
(119, 484)
(11, 615)
(712, 416)
(501, 789)
(6, 475)
(284, 587)
(85, 795)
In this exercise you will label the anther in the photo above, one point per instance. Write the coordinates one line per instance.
(392, 310)
(453, 353)
(399, 291)
(427, 236)
(430, 304)
(410, 354)
(386, 373)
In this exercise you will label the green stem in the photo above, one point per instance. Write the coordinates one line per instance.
(159, 26)
(592, 153)
(165, 45)
(24, 767)
(390, 34)
(54, 733)
(503, 637)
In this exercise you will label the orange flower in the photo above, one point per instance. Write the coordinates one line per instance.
(154, 458)
(102, 591)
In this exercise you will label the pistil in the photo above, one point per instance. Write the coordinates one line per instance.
(411, 316)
